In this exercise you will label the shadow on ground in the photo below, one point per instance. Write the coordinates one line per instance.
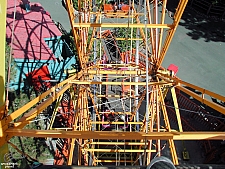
(200, 26)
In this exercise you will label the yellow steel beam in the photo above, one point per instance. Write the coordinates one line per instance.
(31, 114)
(35, 111)
(115, 96)
(133, 39)
(167, 126)
(93, 33)
(117, 72)
(121, 15)
(65, 129)
(114, 122)
(127, 113)
(142, 33)
(93, 102)
(138, 106)
(201, 97)
(117, 65)
(121, 25)
(23, 109)
(2, 50)
(113, 71)
(171, 32)
(151, 31)
(2, 111)
(71, 151)
(197, 88)
(203, 100)
(54, 112)
(117, 135)
(118, 150)
(78, 36)
(74, 97)
(117, 143)
(162, 21)
(120, 83)
(118, 12)
(158, 119)
(3, 6)
(202, 90)
(174, 96)
(114, 161)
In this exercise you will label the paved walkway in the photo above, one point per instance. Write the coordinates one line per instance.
(57, 11)
(198, 47)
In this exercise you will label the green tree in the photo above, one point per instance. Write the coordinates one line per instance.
(124, 45)
(12, 65)
(34, 147)
(75, 4)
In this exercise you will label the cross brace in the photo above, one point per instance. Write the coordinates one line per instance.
(118, 135)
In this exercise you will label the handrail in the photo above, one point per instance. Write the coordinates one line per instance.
(181, 86)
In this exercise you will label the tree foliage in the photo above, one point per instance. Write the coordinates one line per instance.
(125, 45)
(12, 65)
(34, 147)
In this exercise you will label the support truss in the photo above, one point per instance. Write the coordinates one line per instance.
(104, 122)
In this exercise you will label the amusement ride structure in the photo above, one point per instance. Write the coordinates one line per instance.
(117, 106)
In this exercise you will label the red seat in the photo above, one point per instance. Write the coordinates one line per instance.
(125, 8)
(173, 67)
(108, 7)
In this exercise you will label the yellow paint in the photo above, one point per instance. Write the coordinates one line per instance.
(4, 148)
(2, 50)
(176, 109)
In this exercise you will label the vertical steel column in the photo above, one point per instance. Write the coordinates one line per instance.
(95, 86)
(4, 148)
(152, 110)
(91, 159)
(151, 29)
(147, 92)
(136, 77)
(2, 50)
(146, 60)
(167, 126)
(156, 29)
(72, 143)
(162, 22)
(176, 107)
(158, 119)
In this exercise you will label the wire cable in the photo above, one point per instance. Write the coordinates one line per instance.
(9, 62)
(186, 110)
(191, 111)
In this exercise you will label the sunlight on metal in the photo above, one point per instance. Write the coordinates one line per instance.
(117, 135)
(121, 25)
(120, 83)
(177, 16)
(89, 96)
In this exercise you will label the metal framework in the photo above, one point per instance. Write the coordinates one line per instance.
(134, 135)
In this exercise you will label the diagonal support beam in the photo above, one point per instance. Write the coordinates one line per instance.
(176, 109)
(167, 125)
(171, 32)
